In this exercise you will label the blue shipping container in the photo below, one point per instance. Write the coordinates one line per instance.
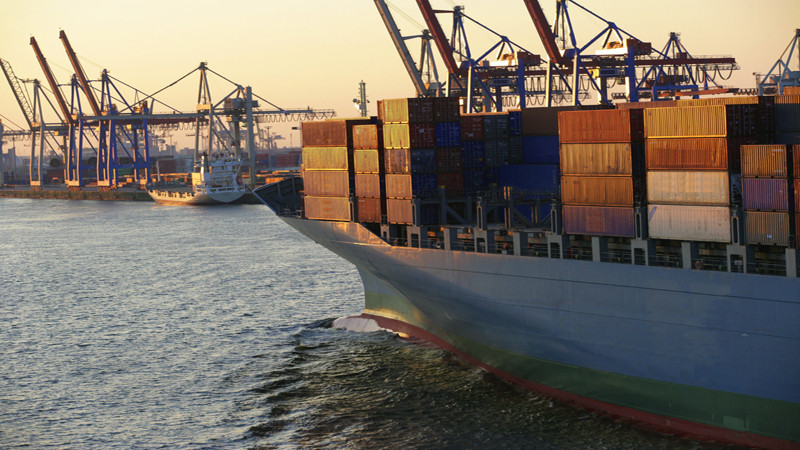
(423, 160)
(515, 123)
(529, 177)
(424, 184)
(540, 150)
(473, 153)
(448, 134)
(475, 181)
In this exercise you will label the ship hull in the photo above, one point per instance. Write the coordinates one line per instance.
(704, 354)
(180, 197)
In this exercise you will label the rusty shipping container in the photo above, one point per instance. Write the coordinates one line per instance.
(367, 161)
(768, 228)
(622, 159)
(367, 137)
(598, 220)
(409, 135)
(769, 194)
(330, 133)
(368, 185)
(602, 125)
(405, 110)
(765, 161)
(711, 188)
(597, 191)
(689, 223)
(327, 208)
(333, 183)
(400, 161)
(369, 210)
(326, 158)
(692, 153)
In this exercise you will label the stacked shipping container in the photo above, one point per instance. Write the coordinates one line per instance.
(766, 195)
(328, 172)
(689, 160)
(409, 142)
(370, 187)
(787, 119)
(601, 170)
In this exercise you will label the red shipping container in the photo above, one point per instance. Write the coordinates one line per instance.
(796, 162)
(369, 210)
(452, 182)
(797, 195)
(602, 125)
(687, 154)
(449, 159)
(598, 220)
(472, 127)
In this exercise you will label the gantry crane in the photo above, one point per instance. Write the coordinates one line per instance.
(781, 75)
(517, 77)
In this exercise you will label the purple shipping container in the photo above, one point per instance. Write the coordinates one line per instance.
(448, 134)
(766, 194)
(529, 177)
(540, 150)
(598, 220)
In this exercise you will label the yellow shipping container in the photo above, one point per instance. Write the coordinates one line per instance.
(325, 158)
(366, 161)
(691, 121)
(765, 161)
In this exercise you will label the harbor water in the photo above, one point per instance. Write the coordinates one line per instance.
(133, 325)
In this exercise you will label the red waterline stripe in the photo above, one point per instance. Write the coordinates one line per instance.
(670, 425)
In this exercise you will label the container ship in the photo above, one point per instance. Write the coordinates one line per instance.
(638, 260)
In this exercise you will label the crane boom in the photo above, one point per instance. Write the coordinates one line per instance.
(73, 58)
(438, 36)
(19, 93)
(401, 47)
(52, 81)
(545, 33)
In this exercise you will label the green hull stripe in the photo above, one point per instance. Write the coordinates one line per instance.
(717, 408)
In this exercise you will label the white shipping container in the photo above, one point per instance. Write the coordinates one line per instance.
(711, 188)
(689, 223)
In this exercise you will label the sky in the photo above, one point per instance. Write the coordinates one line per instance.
(314, 53)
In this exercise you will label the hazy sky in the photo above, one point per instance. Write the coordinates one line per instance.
(303, 53)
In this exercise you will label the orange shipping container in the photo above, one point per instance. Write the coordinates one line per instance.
(796, 162)
(330, 133)
(325, 158)
(399, 211)
(597, 159)
(597, 191)
(687, 154)
(602, 125)
(765, 161)
(691, 121)
(327, 208)
(791, 90)
(366, 137)
(797, 195)
(368, 185)
(334, 183)
(367, 161)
